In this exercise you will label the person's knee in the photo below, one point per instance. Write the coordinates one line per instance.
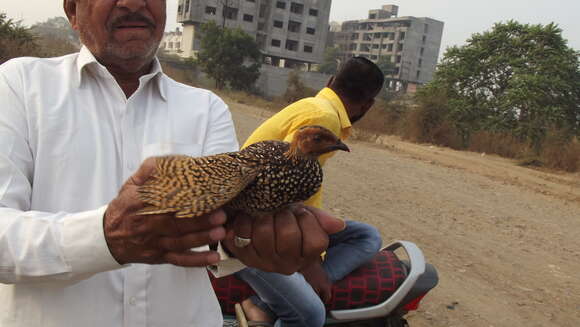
(372, 238)
(314, 315)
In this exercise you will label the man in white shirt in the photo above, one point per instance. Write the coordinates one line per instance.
(72, 129)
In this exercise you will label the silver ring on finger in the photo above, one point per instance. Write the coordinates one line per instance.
(242, 242)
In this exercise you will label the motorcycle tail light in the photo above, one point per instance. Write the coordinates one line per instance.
(414, 304)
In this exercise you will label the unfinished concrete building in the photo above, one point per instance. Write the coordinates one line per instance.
(411, 43)
(288, 32)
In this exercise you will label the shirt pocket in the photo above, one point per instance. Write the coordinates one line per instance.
(167, 148)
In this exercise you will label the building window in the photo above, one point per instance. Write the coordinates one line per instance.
(278, 24)
(401, 35)
(376, 46)
(368, 36)
(313, 12)
(311, 30)
(373, 16)
(308, 48)
(291, 45)
(374, 57)
(251, 0)
(354, 36)
(297, 8)
(281, 4)
(294, 26)
(398, 60)
(180, 9)
(390, 49)
(397, 70)
(422, 51)
(186, 5)
(231, 13)
(400, 47)
(178, 45)
(276, 43)
(426, 29)
(210, 10)
(420, 63)
(248, 18)
(353, 47)
(263, 11)
(170, 45)
(365, 48)
(261, 26)
(418, 74)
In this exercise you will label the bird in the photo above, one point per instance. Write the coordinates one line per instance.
(262, 178)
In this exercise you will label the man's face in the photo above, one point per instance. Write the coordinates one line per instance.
(118, 31)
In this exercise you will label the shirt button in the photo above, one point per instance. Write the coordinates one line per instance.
(132, 300)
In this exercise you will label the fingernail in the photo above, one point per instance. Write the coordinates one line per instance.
(217, 234)
(213, 258)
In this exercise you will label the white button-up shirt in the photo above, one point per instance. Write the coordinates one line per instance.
(69, 138)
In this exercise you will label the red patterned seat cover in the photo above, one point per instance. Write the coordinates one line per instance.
(371, 284)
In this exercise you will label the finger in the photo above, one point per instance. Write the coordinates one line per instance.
(146, 169)
(192, 258)
(192, 240)
(288, 235)
(326, 294)
(247, 255)
(314, 238)
(242, 226)
(264, 237)
(180, 226)
(328, 223)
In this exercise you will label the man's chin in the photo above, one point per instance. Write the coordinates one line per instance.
(133, 51)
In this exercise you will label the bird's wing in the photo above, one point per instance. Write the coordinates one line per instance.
(191, 187)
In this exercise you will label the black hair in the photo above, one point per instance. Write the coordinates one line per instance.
(358, 79)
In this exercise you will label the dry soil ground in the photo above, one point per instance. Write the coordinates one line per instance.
(505, 239)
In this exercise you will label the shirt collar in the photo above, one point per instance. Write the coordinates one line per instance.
(334, 99)
(86, 59)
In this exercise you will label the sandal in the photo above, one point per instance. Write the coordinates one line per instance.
(243, 322)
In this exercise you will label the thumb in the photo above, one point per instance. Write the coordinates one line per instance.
(329, 223)
(146, 169)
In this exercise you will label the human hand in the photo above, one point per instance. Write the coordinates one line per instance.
(282, 242)
(157, 239)
(317, 277)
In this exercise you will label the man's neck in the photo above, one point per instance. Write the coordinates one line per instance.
(128, 80)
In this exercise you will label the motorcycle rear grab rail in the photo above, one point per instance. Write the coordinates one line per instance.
(417, 268)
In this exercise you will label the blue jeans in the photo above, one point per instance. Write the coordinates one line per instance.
(290, 299)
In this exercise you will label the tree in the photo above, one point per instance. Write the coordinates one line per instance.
(229, 56)
(330, 61)
(522, 79)
(15, 39)
(56, 28)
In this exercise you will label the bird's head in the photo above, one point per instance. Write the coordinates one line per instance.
(314, 141)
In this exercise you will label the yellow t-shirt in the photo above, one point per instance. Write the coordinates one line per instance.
(325, 109)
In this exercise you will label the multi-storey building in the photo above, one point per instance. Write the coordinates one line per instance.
(288, 32)
(171, 42)
(411, 43)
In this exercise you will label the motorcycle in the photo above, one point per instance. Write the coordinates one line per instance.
(379, 293)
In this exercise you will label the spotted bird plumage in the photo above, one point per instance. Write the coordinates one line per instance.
(263, 177)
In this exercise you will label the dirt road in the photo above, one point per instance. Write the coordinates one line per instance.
(505, 239)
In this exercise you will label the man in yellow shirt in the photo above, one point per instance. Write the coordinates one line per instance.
(297, 300)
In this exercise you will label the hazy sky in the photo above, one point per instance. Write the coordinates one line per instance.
(462, 17)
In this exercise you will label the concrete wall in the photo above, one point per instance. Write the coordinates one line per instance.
(273, 81)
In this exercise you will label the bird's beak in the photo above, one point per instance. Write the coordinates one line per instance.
(340, 146)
